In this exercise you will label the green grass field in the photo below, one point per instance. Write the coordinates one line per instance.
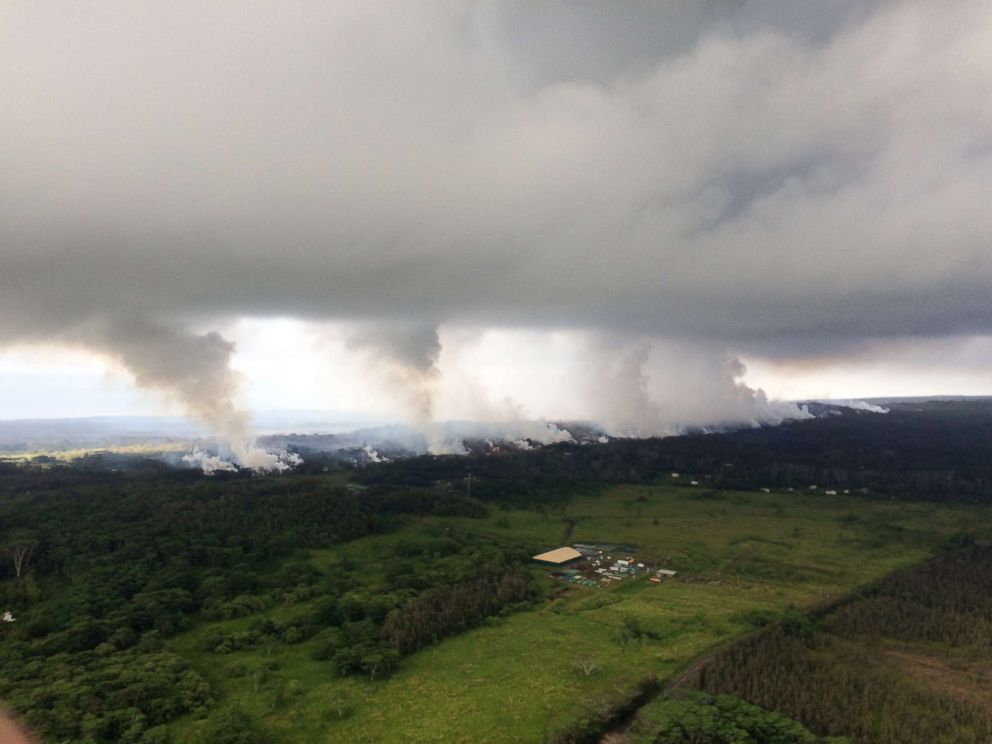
(517, 678)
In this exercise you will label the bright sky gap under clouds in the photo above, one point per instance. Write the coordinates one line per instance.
(496, 209)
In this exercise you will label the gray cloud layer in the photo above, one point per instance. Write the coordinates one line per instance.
(768, 174)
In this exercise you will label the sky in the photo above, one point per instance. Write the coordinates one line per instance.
(643, 213)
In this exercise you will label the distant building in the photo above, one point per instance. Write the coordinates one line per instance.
(558, 557)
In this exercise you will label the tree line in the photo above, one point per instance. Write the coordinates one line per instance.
(936, 450)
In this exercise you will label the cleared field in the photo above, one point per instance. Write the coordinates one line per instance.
(519, 678)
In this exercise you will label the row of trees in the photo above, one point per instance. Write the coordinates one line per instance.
(934, 450)
(454, 609)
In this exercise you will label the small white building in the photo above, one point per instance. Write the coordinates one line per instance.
(7, 617)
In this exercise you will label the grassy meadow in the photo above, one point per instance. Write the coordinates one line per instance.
(740, 556)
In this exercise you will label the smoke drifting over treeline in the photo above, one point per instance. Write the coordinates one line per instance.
(680, 182)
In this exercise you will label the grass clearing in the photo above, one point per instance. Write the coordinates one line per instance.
(517, 678)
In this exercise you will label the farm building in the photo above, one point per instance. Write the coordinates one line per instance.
(558, 557)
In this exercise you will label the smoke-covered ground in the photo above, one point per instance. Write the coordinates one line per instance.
(291, 437)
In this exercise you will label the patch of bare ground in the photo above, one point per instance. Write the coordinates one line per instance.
(967, 681)
(614, 738)
(10, 731)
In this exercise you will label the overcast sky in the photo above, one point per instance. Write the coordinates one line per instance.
(801, 186)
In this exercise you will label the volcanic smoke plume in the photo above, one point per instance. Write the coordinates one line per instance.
(694, 182)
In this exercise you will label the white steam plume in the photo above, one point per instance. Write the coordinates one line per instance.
(857, 405)
(618, 388)
(189, 369)
(403, 359)
(208, 463)
(661, 388)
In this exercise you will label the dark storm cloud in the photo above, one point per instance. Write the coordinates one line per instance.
(599, 40)
(772, 175)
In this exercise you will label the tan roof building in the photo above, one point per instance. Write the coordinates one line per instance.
(558, 557)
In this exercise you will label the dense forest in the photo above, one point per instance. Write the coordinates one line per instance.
(99, 574)
(907, 660)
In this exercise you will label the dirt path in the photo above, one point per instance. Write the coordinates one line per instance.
(679, 679)
(674, 683)
(569, 529)
(962, 680)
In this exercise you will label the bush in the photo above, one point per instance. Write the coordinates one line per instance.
(231, 726)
